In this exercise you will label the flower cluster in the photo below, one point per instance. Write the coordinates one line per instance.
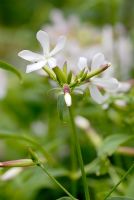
(113, 41)
(66, 79)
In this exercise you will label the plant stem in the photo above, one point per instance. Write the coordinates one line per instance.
(77, 146)
(123, 177)
(50, 176)
(37, 161)
(73, 164)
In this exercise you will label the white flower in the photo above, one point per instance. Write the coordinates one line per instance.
(108, 84)
(124, 87)
(11, 173)
(68, 99)
(40, 60)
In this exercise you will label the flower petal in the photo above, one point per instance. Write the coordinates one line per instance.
(35, 66)
(82, 63)
(110, 84)
(96, 95)
(30, 56)
(97, 61)
(43, 38)
(52, 62)
(68, 99)
(59, 46)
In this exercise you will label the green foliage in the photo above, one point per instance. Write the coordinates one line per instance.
(10, 68)
(111, 143)
(120, 198)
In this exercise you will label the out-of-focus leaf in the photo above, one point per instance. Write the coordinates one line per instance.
(60, 105)
(121, 198)
(10, 68)
(64, 198)
(111, 143)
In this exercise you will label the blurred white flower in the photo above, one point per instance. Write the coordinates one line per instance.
(82, 122)
(108, 84)
(39, 128)
(11, 173)
(124, 52)
(40, 60)
(86, 40)
(124, 87)
(121, 102)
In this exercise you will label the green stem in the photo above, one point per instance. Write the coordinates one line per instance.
(123, 177)
(77, 146)
(73, 164)
(50, 176)
(37, 161)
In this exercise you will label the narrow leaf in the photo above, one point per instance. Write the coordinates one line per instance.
(111, 143)
(10, 68)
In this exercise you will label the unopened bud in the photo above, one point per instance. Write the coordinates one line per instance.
(17, 163)
(67, 96)
(68, 99)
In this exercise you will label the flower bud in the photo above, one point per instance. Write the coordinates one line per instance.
(68, 99)
(17, 163)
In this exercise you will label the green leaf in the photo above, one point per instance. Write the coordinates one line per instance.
(120, 198)
(64, 198)
(60, 105)
(10, 68)
(111, 143)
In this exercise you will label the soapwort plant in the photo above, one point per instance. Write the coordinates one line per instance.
(67, 81)
(89, 76)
